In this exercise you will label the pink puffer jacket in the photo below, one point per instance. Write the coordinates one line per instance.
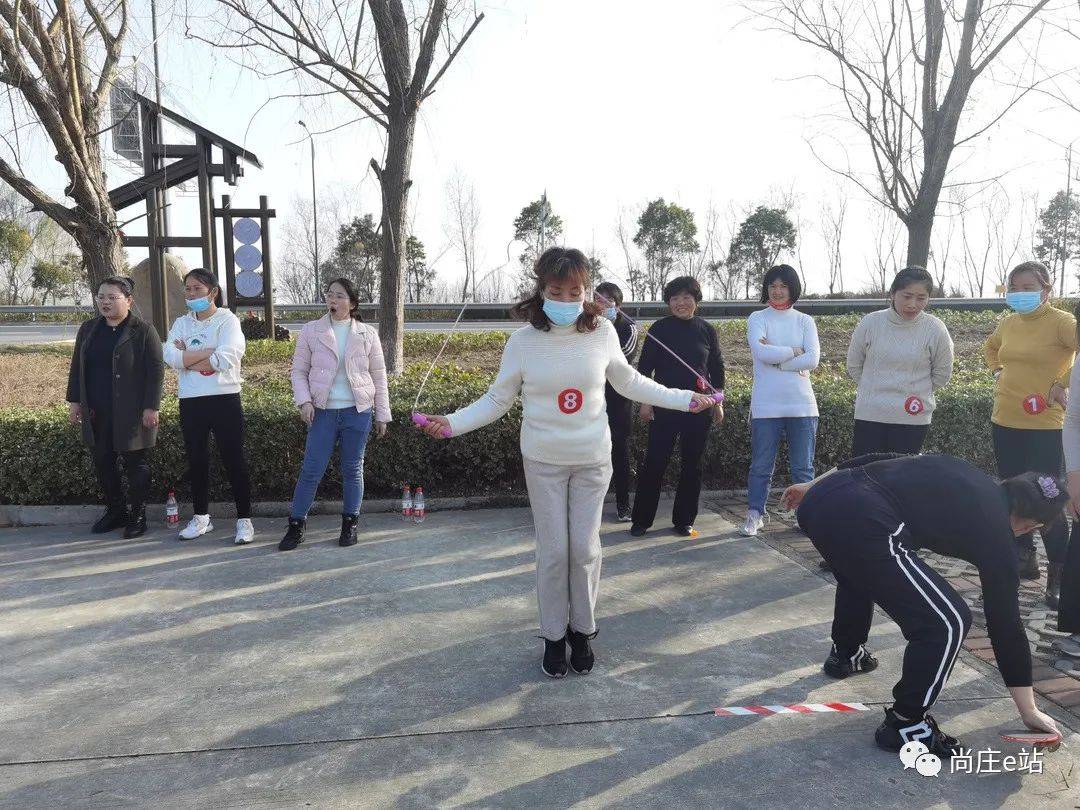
(315, 364)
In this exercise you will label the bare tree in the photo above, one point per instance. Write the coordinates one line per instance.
(833, 216)
(380, 57)
(295, 271)
(887, 234)
(462, 227)
(979, 240)
(60, 62)
(634, 262)
(904, 78)
(942, 248)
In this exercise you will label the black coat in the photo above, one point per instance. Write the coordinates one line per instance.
(138, 374)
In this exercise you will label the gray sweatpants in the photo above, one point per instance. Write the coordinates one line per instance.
(567, 503)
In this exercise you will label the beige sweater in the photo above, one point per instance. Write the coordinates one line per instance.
(898, 365)
(560, 376)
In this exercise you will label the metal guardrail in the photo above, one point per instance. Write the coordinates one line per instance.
(646, 310)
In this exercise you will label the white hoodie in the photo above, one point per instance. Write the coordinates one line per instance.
(220, 332)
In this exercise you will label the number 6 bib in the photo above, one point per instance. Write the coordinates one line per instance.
(570, 400)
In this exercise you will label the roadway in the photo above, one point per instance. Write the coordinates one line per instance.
(25, 334)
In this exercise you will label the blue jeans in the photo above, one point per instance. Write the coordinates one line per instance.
(801, 432)
(349, 426)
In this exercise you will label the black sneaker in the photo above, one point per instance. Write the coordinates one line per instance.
(685, 531)
(554, 665)
(623, 513)
(896, 732)
(638, 531)
(840, 666)
(1029, 564)
(115, 517)
(348, 530)
(136, 524)
(581, 654)
(294, 536)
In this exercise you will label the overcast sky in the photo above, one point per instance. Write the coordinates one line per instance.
(606, 104)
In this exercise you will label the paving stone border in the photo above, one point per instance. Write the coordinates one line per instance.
(1056, 677)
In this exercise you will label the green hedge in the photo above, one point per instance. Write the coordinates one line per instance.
(44, 460)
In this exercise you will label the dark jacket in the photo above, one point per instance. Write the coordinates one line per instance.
(138, 374)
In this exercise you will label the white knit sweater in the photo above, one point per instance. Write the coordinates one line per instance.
(898, 365)
(782, 380)
(560, 376)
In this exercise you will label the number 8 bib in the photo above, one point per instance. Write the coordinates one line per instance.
(570, 400)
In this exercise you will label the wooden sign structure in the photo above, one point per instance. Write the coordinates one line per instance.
(166, 165)
(248, 288)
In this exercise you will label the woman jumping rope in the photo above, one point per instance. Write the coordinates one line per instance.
(559, 364)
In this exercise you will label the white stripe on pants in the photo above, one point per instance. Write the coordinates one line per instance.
(567, 502)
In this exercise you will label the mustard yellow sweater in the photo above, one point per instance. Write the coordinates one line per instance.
(1032, 351)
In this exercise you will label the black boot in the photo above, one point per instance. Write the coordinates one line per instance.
(348, 530)
(136, 524)
(1053, 583)
(294, 536)
(581, 654)
(554, 665)
(115, 517)
(1029, 563)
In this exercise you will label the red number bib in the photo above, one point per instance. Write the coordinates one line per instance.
(570, 400)
(914, 406)
(1034, 404)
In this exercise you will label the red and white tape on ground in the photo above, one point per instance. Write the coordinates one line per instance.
(796, 708)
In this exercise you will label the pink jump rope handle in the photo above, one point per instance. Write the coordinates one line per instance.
(718, 398)
(422, 421)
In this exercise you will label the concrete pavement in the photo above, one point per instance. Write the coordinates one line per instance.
(405, 671)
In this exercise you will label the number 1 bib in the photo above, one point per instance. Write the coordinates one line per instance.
(1034, 404)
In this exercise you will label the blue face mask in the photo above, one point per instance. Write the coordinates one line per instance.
(1024, 301)
(611, 313)
(198, 304)
(562, 313)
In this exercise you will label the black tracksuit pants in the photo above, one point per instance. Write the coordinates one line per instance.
(692, 430)
(619, 421)
(856, 528)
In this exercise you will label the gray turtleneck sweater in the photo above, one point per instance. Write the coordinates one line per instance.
(898, 365)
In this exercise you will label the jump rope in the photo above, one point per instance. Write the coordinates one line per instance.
(422, 420)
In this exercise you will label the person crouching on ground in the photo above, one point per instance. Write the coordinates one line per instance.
(868, 519)
(114, 394)
(339, 384)
(558, 365)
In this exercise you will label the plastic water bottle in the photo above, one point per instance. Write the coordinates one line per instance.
(172, 510)
(418, 511)
(406, 503)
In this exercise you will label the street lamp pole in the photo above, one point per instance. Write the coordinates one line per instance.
(314, 208)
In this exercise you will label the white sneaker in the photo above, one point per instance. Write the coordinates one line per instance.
(199, 525)
(245, 532)
(753, 523)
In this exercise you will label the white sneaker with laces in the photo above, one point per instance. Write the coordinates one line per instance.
(753, 523)
(245, 532)
(199, 525)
